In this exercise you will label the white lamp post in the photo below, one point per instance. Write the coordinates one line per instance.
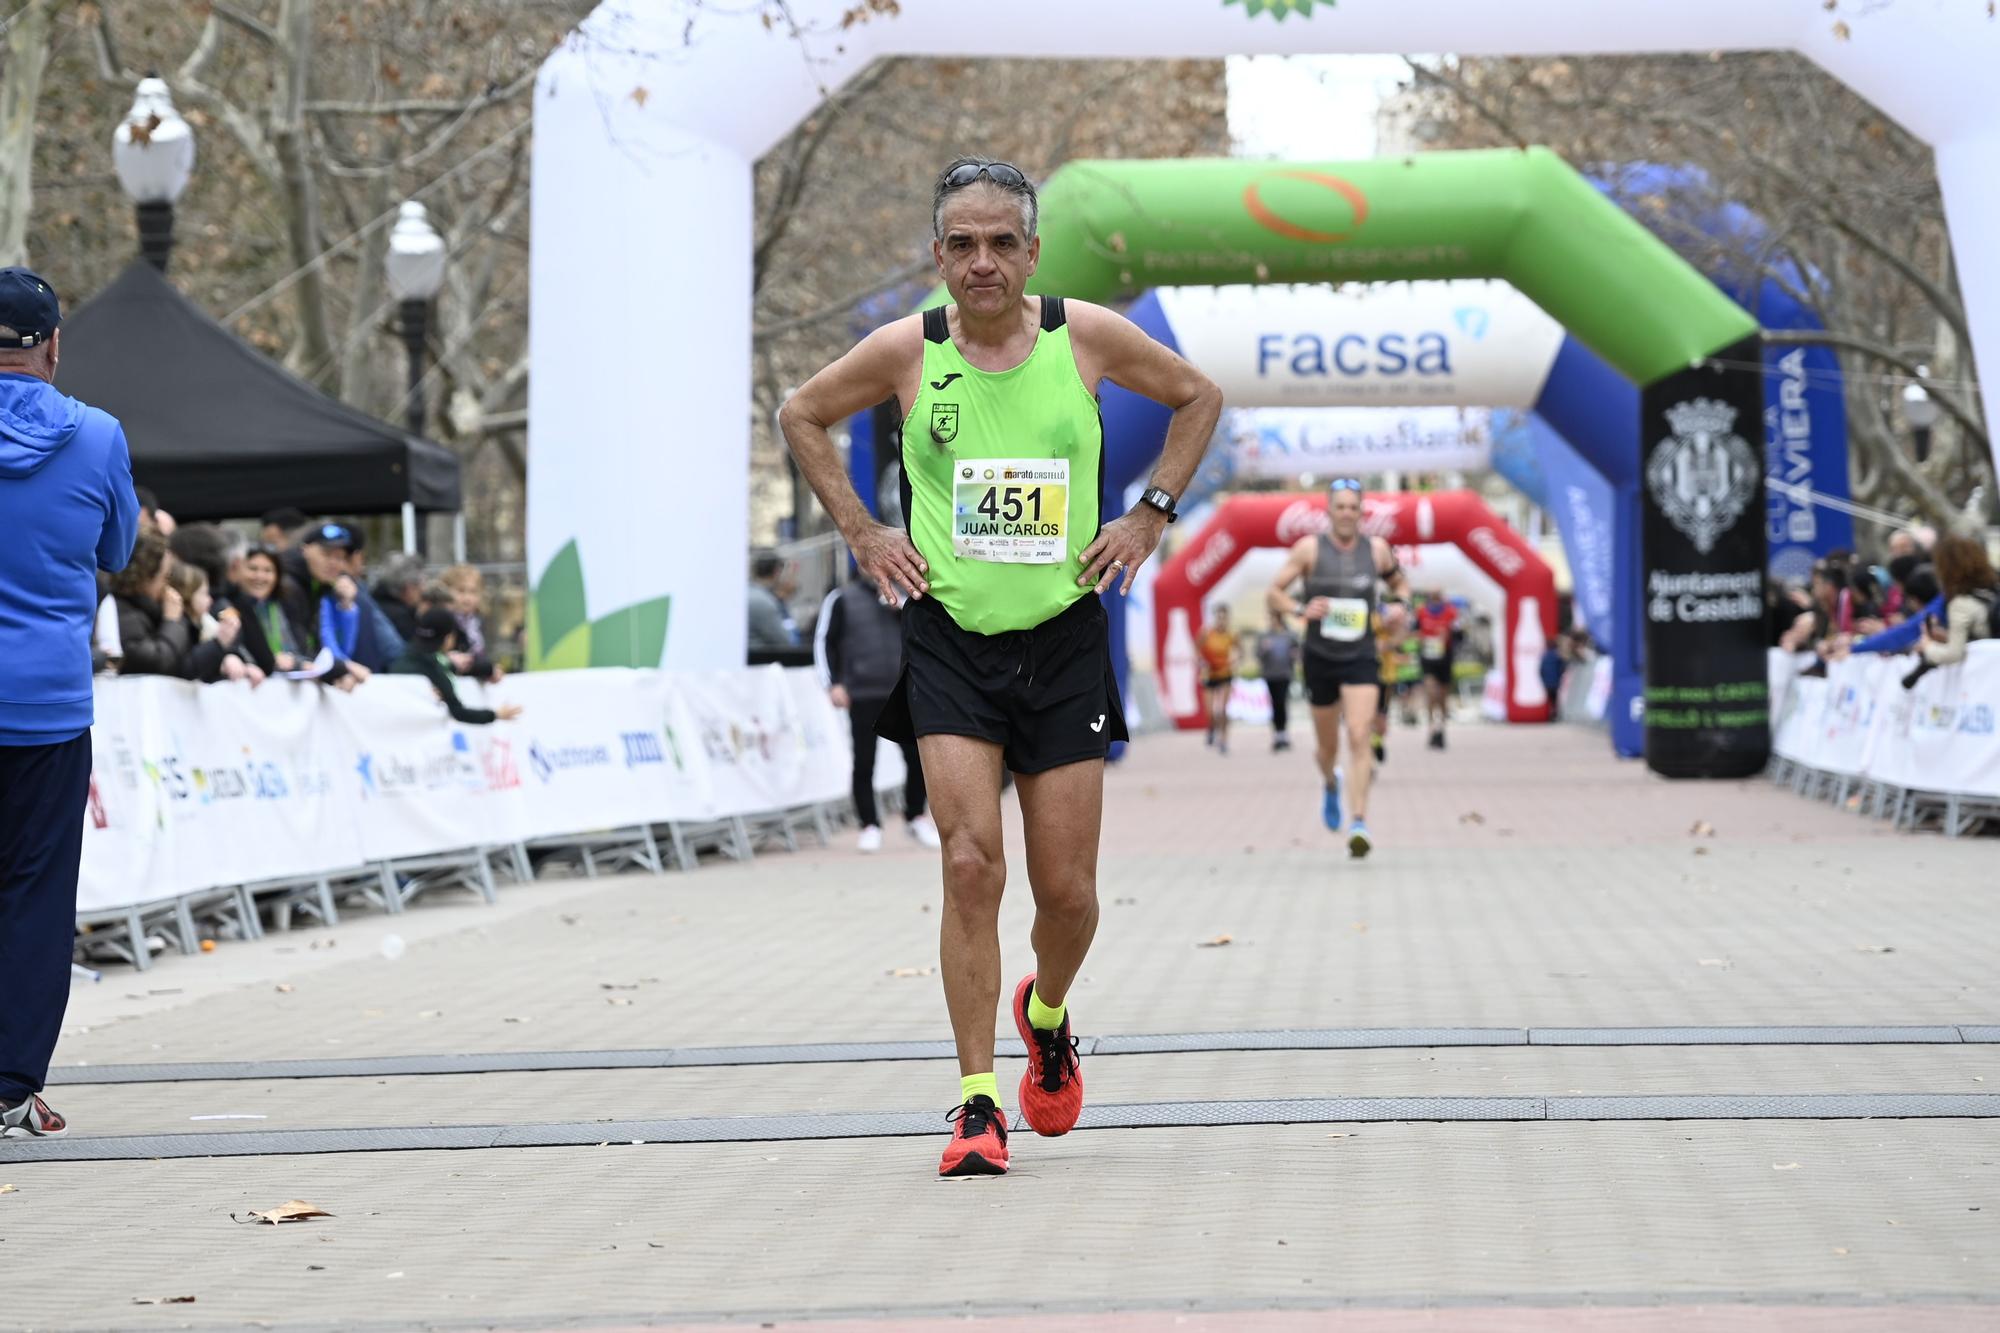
(1921, 413)
(415, 266)
(153, 152)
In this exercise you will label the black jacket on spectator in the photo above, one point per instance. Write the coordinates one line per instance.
(416, 661)
(255, 640)
(861, 641)
(150, 645)
(400, 613)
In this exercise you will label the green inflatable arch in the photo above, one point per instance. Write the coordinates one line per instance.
(1111, 229)
(1114, 228)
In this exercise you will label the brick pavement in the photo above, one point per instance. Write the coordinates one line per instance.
(1577, 896)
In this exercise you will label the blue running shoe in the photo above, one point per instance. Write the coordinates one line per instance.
(1330, 808)
(1358, 842)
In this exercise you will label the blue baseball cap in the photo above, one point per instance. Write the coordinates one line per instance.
(334, 534)
(28, 306)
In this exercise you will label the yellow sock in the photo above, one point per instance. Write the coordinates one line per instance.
(1041, 1014)
(979, 1085)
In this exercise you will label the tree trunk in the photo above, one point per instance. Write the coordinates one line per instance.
(301, 191)
(20, 91)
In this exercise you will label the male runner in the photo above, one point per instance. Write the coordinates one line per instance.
(1340, 570)
(1389, 650)
(1437, 622)
(1218, 675)
(1006, 656)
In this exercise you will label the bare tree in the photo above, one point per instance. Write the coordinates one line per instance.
(1856, 223)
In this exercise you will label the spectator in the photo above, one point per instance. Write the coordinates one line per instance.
(215, 655)
(399, 591)
(273, 613)
(427, 655)
(207, 547)
(153, 633)
(467, 588)
(379, 642)
(1920, 590)
(1278, 661)
(772, 628)
(67, 510)
(280, 527)
(858, 648)
(334, 620)
(468, 599)
(1970, 591)
(151, 515)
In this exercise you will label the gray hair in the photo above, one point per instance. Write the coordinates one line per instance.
(1031, 204)
(400, 571)
(25, 356)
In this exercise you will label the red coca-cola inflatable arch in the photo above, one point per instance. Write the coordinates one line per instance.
(1244, 522)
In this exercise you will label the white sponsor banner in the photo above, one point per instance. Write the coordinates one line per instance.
(1469, 343)
(197, 787)
(1293, 442)
(1940, 735)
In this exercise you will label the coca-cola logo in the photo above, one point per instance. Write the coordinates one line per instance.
(1209, 561)
(1378, 517)
(1503, 557)
(1302, 518)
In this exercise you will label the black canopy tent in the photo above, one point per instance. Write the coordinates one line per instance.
(218, 430)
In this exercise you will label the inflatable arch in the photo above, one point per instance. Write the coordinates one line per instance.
(643, 152)
(1405, 518)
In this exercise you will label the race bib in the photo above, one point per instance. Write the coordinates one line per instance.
(1433, 650)
(1011, 511)
(1346, 619)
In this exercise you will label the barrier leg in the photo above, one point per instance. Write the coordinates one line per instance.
(739, 836)
(392, 893)
(246, 906)
(524, 865)
(651, 858)
(135, 930)
(487, 888)
(589, 862)
(682, 856)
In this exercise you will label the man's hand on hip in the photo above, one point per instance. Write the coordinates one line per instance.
(891, 561)
(1122, 546)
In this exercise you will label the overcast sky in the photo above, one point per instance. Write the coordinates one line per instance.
(1309, 108)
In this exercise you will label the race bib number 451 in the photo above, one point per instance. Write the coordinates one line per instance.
(1012, 511)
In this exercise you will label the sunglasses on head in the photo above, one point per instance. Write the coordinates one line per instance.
(1000, 173)
(1344, 484)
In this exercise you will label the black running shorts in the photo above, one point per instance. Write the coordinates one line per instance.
(1046, 696)
(1440, 668)
(1325, 680)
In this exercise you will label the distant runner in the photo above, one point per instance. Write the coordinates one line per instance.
(1218, 675)
(1437, 630)
(1341, 570)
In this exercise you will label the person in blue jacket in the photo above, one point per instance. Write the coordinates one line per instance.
(67, 510)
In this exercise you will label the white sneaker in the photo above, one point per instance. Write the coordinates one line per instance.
(924, 830)
(870, 840)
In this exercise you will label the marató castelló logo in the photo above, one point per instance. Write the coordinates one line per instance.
(1703, 474)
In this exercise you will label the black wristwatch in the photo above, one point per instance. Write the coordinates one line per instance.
(1161, 500)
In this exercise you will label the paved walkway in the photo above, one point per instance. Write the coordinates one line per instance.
(1526, 881)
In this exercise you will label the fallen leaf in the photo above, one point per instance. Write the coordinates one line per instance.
(1124, 902)
(163, 1300)
(285, 988)
(569, 918)
(9, 1189)
(1702, 829)
(639, 95)
(1218, 942)
(1713, 962)
(295, 1210)
(1874, 948)
(431, 1013)
(911, 971)
(1840, 1249)
(615, 985)
(1701, 851)
(517, 1020)
(1340, 1136)
(1472, 817)
(1361, 927)
(1784, 1166)
(1841, 31)
(315, 1268)
(617, 999)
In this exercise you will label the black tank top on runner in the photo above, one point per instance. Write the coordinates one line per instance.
(1347, 578)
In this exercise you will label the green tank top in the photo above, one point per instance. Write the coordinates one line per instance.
(1001, 476)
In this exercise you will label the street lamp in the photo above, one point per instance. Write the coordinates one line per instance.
(415, 266)
(1921, 413)
(153, 152)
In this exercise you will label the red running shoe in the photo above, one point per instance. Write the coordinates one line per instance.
(1052, 1089)
(978, 1144)
(31, 1119)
